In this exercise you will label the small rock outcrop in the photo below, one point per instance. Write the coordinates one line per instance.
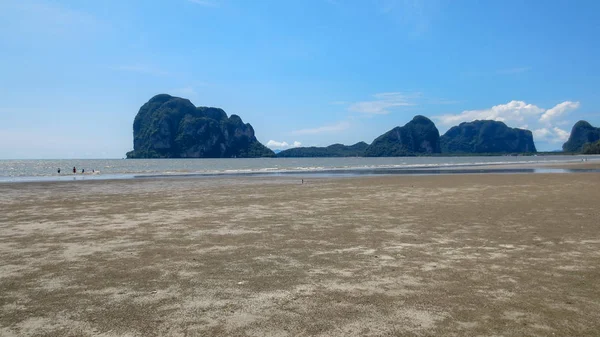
(172, 127)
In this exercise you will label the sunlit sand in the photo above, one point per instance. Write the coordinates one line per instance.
(466, 255)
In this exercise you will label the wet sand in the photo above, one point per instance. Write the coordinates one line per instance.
(588, 165)
(592, 164)
(447, 255)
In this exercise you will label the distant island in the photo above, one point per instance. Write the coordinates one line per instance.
(583, 135)
(172, 127)
(420, 137)
(335, 150)
(487, 136)
(417, 137)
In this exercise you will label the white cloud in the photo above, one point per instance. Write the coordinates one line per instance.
(541, 134)
(526, 116)
(273, 144)
(558, 110)
(513, 111)
(341, 126)
(551, 135)
(383, 102)
(561, 135)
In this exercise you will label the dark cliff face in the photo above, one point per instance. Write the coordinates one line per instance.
(486, 137)
(417, 137)
(582, 133)
(172, 127)
(335, 150)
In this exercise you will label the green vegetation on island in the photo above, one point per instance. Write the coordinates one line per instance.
(581, 134)
(335, 150)
(486, 136)
(591, 148)
(172, 127)
(417, 137)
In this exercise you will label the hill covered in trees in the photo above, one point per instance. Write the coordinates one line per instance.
(486, 136)
(417, 137)
(581, 134)
(591, 148)
(172, 127)
(335, 150)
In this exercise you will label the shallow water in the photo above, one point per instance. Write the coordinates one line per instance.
(46, 170)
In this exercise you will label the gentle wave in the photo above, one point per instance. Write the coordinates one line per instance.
(45, 170)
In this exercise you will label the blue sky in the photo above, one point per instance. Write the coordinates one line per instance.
(74, 73)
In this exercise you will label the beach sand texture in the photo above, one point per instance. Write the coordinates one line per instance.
(455, 255)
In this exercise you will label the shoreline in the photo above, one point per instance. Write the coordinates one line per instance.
(555, 167)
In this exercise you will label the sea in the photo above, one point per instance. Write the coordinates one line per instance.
(94, 169)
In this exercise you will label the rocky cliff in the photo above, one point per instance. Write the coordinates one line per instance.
(417, 137)
(582, 133)
(172, 127)
(486, 136)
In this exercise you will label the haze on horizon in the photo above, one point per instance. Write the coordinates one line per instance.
(318, 72)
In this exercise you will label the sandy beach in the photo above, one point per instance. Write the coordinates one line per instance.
(446, 255)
